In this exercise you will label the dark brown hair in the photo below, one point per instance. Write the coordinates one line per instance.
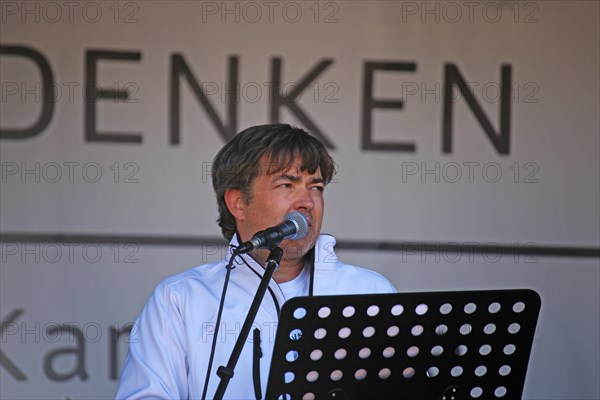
(238, 163)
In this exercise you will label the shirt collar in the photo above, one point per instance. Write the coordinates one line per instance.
(325, 257)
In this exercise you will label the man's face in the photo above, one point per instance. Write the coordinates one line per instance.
(273, 196)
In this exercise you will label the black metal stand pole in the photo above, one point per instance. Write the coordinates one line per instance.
(226, 373)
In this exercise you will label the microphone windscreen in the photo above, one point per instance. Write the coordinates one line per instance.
(301, 224)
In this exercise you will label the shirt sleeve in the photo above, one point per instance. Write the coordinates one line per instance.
(387, 287)
(156, 367)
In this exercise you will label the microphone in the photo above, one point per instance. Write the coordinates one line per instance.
(294, 227)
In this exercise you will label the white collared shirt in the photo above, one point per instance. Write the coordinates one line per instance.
(172, 338)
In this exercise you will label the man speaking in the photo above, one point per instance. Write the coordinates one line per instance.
(266, 176)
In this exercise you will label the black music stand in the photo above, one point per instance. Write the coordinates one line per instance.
(413, 346)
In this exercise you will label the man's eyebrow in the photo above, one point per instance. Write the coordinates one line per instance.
(287, 177)
(296, 178)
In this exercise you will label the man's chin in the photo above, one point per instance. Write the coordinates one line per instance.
(296, 249)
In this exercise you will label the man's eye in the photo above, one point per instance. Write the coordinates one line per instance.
(318, 188)
(285, 185)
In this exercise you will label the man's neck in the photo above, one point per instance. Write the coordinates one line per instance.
(288, 269)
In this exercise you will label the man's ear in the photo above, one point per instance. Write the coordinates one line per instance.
(234, 199)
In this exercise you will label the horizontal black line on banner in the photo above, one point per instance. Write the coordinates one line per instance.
(530, 248)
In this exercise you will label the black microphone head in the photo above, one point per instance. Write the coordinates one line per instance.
(301, 224)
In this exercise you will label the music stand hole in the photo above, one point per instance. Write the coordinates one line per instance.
(432, 372)
(408, 372)
(340, 354)
(308, 396)
(461, 350)
(320, 333)
(494, 307)
(504, 370)
(291, 355)
(368, 332)
(393, 331)
(470, 308)
(372, 311)
(365, 352)
(300, 313)
(336, 375)
(500, 391)
(480, 370)
(465, 329)
(421, 309)
(441, 329)
(456, 371)
(285, 396)
(385, 373)
(445, 308)
(519, 307)
(360, 374)
(397, 310)
(348, 311)
(344, 333)
(514, 328)
(485, 349)
(417, 330)
(489, 329)
(288, 377)
(412, 351)
(509, 349)
(389, 352)
(316, 355)
(476, 392)
(295, 334)
(437, 351)
(312, 376)
(324, 312)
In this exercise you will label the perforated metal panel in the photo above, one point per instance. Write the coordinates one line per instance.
(442, 345)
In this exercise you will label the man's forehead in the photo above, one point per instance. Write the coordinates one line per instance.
(294, 168)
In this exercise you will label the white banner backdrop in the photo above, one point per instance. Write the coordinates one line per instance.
(112, 112)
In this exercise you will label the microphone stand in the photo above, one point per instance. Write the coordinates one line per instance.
(226, 373)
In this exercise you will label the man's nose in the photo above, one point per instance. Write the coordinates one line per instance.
(304, 200)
